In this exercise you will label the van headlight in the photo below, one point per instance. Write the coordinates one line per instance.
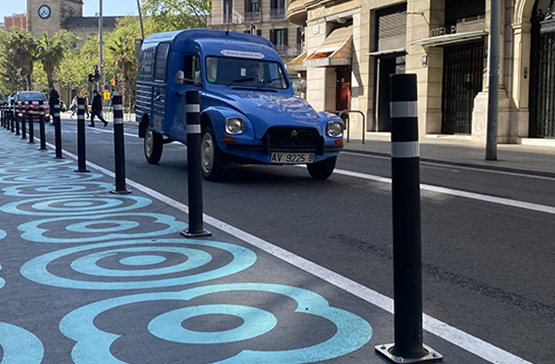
(234, 125)
(335, 129)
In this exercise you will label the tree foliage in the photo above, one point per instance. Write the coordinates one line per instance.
(178, 14)
(50, 52)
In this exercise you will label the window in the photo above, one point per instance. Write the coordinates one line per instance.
(252, 6)
(228, 11)
(161, 61)
(191, 69)
(279, 38)
(146, 64)
(242, 72)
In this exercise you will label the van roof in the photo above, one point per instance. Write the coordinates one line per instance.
(192, 35)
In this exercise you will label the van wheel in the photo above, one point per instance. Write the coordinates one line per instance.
(153, 146)
(213, 160)
(323, 169)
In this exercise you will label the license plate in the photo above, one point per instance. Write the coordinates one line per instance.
(292, 158)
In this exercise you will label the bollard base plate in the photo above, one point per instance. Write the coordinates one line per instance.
(83, 171)
(188, 234)
(124, 192)
(432, 356)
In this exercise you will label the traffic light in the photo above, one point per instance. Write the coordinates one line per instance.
(96, 76)
(91, 77)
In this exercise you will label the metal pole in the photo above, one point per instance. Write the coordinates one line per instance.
(493, 87)
(407, 250)
(24, 111)
(41, 126)
(31, 126)
(17, 112)
(81, 145)
(101, 56)
(194, 174)
(58, 131)
(119, 145)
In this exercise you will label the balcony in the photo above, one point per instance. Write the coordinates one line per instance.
(275, 15)
(225, 19)
(253, 17)
(296, 11)
(286, 51)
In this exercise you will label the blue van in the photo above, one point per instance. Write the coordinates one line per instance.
(248, 109)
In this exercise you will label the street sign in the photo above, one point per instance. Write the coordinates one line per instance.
(102, 64)
(106, 96)
(106, 87)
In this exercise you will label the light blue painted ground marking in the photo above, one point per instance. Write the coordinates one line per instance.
(2, 282)
(87, 264)
(32, 231)
(19, 345)
(82, 227)
(93, 345)
(143, 260)
(78, 204)
(2, 234)
(256, 322)
(43, 205)
(49, 190)
(36, 269)
(53, 178)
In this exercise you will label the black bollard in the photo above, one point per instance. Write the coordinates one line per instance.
(17, 117)
(81, 146)
(407, 249)
(2, 115)
(194, 174)
(30, 113)
(12, 118)
(58, 131)
(24, 111)
(41, 126)
(119, 146)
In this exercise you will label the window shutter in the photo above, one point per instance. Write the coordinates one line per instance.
(285, 36)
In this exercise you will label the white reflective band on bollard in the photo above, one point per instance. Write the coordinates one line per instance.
(118, 121)
(118, 107)
(405, 150)
(404, 109)
(81, 107)
(193, 129)
(56, 114)
(192, 108)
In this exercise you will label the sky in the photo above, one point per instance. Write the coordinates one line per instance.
(90, 7)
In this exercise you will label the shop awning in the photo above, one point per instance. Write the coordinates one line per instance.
(296, 64)
(450, 39)
(336, 50)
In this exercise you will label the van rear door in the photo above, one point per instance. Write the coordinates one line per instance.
(159, 88)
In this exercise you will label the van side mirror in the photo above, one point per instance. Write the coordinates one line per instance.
(180, 77)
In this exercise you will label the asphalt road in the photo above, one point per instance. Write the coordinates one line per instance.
(487, 256)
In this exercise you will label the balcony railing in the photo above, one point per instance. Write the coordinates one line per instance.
(286, 51)
(253, 17)
(275, 15)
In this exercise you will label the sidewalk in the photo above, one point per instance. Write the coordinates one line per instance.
(87, 276)
(460, 150)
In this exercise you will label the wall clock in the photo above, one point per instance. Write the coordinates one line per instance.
(44, 11)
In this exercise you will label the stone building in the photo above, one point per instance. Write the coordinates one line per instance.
(354, 45)
(262, 17)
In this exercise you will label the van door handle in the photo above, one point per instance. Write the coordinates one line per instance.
(158, 96)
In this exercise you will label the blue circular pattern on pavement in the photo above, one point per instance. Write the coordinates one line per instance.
(36, 269)
(2, 234)
(19, 345)
(33, 166)
(256, 322)
(142, 260)
(2, 282)
(38, 190)
(93, 345)
(63, 205)
(110, 226)
(88, 263)
(51, 178)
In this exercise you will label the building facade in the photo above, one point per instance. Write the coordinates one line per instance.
(265, 18)
(354, 45)
(15, 20)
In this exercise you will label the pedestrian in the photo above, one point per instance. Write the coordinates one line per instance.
(53, 99)
(73, 107)
(86, 105)
(96, 109)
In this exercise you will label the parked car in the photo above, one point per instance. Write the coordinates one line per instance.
(33, 97)
(249, 112)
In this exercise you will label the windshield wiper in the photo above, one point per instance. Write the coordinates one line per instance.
(241, 80)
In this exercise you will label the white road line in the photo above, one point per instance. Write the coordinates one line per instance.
(448, 333)
(453, 192)
(454, 166)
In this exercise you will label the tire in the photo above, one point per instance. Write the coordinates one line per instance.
(213, 160)
(323, 169)
(153, 145)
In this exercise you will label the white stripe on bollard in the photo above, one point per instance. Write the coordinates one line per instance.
(193, 129)
(192, 108)
(405, 149)
(117, 107)
(118, 121)
(404, 109)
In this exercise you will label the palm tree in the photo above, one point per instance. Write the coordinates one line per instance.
(123, 55)
(50, 51)
(22, 45)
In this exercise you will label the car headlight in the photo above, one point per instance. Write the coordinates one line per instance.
(234, 125)
(335, 129)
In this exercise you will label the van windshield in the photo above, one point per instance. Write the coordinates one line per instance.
(245, 72)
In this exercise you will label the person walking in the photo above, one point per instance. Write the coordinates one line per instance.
(53, 99)
(96, 109)
(73, 107)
